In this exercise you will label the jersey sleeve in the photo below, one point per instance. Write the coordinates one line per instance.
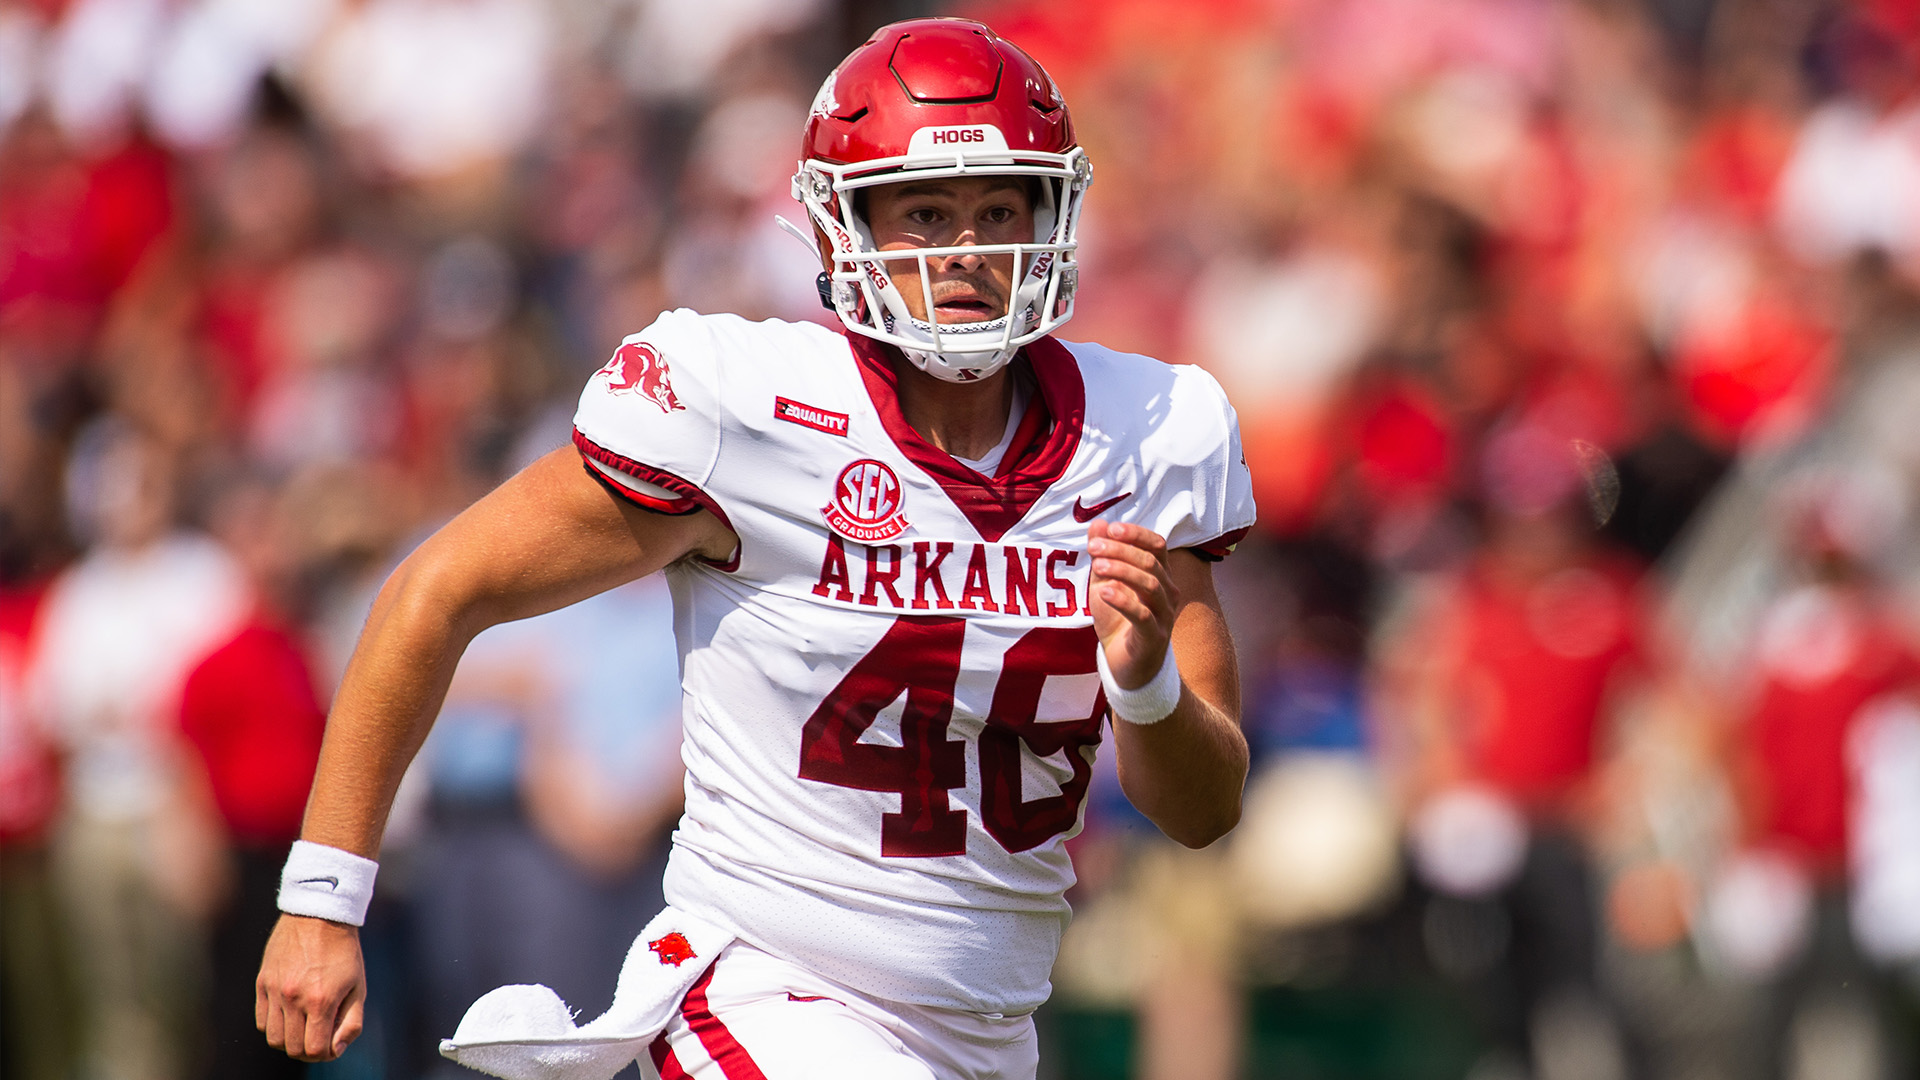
(649, 421)
(1206, 497)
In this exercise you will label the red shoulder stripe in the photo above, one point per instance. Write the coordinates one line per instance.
(691, 496)
(1220, 546)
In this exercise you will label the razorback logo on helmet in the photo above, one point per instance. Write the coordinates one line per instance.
(867, 503)
(673, 949)
(638, 368)
(823, 102)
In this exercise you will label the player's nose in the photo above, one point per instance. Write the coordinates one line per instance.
(965, 262)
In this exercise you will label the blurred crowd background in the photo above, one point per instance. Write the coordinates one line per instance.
(1576, 345)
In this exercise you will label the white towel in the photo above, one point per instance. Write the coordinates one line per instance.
(527, 1032)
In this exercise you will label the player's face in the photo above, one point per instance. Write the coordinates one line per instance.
(954, 212)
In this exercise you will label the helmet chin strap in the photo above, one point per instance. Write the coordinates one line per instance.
(936, 365)
(956, 366)
(960, 367)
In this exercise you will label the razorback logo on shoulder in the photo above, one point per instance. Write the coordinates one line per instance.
(673, 949)
(638, 368)
(833, 423)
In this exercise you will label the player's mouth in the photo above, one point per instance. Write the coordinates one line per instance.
(960, 311)
(964, 304)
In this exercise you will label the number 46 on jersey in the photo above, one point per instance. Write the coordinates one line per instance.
(920, 656)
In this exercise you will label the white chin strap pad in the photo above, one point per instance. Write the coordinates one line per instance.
(957, 366)
(942, 366)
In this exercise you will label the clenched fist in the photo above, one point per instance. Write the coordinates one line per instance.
(312, 989)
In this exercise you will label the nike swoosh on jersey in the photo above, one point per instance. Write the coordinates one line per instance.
(329, 882)
(1085, 514)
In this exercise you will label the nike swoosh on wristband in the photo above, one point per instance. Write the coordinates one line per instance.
(332, 883)
(1084, 514)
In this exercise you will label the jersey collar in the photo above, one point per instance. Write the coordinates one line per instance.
(1042, 445)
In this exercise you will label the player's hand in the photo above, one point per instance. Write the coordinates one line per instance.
(1133, 599)
(312, 988)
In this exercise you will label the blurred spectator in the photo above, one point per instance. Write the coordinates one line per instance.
(672, 51)
(265, 206)
(1503, 689)
(1824, 651)
(439, 92)
(136, 861)
(73, 229)
(730, 256)
(1828, 657)
(250, 710)
(35, 992)
(1853, 181)
(1317, 844)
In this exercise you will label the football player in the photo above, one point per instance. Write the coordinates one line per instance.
(916, 567)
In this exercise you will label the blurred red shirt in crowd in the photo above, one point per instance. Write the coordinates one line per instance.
(251, 710)
(1825, 653)
(29, 772)
(1539, 659)
(72, 231)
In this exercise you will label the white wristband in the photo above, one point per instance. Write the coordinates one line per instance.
(1147, 704)
(327, 883)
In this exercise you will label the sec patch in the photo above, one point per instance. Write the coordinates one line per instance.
(868, 503)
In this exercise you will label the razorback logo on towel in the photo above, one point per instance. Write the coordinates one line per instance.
(638, 368)
(673, 949)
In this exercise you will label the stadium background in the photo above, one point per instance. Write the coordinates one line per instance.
(1576, 345)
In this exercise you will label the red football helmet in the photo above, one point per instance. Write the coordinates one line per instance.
(930, 98)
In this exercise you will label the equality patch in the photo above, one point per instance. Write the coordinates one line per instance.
(833, 423)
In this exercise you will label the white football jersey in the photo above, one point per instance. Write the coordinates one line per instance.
(891, 702)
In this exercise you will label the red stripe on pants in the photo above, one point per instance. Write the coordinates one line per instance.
(663, 1060)
(725, 1050)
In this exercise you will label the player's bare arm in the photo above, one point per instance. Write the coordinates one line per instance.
(548, 537)
(1186, 772)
